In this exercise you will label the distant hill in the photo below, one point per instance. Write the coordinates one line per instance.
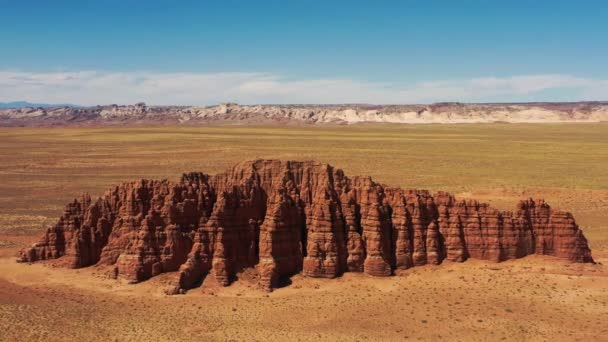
(19, 104)
(444, 113)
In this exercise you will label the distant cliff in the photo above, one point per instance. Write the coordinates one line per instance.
(140, 114)
(286, 217)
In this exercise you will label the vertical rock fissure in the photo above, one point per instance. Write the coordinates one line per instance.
(303, 234)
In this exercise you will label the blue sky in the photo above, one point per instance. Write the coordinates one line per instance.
(203, 52)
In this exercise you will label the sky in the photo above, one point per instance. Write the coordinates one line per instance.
(206, 52)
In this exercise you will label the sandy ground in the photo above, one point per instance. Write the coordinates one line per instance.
(536, 298)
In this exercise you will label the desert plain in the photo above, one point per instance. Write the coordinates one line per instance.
(534, 298)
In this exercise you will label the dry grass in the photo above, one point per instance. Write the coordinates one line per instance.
(452, 156)
(42, 169)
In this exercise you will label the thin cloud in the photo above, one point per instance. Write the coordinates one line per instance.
(96, 87)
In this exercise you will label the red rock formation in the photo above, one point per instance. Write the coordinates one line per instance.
(288, 217)
(402, 235)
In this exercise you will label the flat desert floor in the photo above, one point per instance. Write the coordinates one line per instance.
(534, 298)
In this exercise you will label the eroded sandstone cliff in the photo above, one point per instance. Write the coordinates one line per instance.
(287, 217)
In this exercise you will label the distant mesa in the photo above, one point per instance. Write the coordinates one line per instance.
(282, 218)
(444, 112)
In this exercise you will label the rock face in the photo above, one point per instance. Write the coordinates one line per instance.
(287, 217)
(451, 112)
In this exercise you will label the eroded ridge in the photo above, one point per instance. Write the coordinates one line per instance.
(287, 217)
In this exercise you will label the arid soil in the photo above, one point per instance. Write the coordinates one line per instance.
(534, 298)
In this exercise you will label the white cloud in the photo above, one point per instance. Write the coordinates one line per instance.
(95, 87)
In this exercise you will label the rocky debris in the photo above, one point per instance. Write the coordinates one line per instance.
(140, 113)
(287, 217)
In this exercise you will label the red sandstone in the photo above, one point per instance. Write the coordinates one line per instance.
(287, 217)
